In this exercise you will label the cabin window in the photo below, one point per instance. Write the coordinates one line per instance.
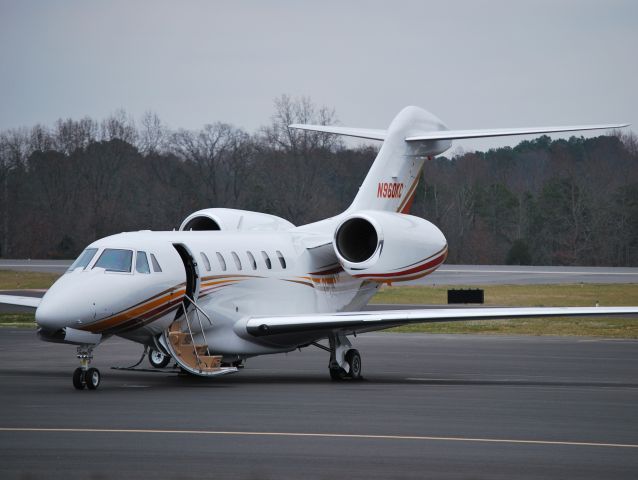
(206, 261)
(141, 263)
(282, 260)
(222, 262)
(237, 260)
(253, 262)
(266, 260)
(156, 265)
(84, 259)
(115, 260)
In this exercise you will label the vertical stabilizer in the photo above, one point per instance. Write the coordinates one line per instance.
(392, 180)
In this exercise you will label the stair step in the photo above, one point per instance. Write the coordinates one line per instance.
(178, 338)
(210, 362)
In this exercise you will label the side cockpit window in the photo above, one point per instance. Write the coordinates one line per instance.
(156, 265)
(84, 259)
(115, 260)
(141, 263)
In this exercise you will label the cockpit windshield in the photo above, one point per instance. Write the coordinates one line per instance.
(115, 260)
(84, 259)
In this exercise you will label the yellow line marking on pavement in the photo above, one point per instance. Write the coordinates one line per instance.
(320, 435)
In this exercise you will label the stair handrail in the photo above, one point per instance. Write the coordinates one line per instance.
(190, 331)
(199, 309)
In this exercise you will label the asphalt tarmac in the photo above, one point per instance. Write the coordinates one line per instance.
(430, 406)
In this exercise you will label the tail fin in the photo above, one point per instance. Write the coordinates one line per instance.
(392, 180)
(414, 136)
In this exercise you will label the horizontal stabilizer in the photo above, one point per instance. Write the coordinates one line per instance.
(504, 132)
(369, 133)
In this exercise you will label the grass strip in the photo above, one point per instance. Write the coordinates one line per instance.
(562, 295)
(17, 280)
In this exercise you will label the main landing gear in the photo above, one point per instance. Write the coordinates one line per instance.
(345, 362)
(83, 376)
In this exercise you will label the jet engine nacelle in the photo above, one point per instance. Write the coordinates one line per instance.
(388, 247)
(229, 219)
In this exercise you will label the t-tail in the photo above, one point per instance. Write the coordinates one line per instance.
(414, 136)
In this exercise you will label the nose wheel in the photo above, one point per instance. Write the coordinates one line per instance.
(83, 376)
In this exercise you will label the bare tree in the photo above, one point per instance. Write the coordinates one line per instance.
(14, 150)
(280, 136)
(206, 150)
(118, 125)
(70, 135)
(153, 134)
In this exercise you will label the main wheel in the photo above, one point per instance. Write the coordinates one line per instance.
(92, 377)
(354, 362)
(157, 359)
(337, 373)
(78, 379)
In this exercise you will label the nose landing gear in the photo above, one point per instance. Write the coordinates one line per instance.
(83, 376)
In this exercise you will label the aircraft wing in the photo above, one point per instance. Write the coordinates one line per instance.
(32, 302)
(352, 322)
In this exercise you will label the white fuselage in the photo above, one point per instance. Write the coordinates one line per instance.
(284, 279)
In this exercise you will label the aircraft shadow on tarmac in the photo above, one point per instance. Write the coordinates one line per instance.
(173, 380)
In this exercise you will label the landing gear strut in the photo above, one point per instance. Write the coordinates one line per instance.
(83, 376)
(345, 362)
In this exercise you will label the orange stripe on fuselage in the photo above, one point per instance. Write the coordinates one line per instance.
(149, 306)
(405, 205)
(136, 311)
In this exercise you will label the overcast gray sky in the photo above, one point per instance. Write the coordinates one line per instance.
(475, 64)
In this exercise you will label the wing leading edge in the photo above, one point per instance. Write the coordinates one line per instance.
(32, 302)
(379, 320)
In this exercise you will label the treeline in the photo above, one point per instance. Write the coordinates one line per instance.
(569, 202)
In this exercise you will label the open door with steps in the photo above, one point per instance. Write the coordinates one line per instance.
(185, 339)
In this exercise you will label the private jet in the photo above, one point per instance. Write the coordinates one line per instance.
(232, 284)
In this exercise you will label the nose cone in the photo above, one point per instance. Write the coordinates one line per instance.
(63, 306)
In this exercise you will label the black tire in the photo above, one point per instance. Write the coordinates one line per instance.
(337, 374)
(158, 359)
(78, 379)
(92, 378)
(354, 362)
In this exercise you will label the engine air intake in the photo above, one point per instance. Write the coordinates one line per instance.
(356, 240)
(201, 223)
